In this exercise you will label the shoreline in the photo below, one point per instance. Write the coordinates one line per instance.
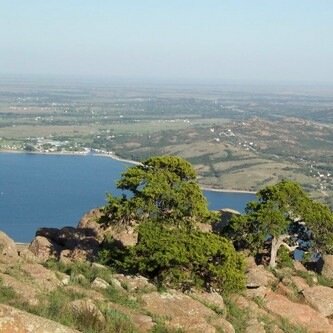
(213, 189)
(119, 159)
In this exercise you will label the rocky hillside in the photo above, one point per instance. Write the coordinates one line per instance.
(55, 284)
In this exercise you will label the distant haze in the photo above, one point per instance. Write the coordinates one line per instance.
(185, 40)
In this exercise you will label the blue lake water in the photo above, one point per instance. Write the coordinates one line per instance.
(55, 191)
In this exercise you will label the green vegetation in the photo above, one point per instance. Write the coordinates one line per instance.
(164, 189)
(236, 138)
(167, 203)
(184, 258)
(283, 216)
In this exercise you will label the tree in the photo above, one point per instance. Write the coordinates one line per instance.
(166, 202)
(161, 189)
(182, 258)
(285, 216)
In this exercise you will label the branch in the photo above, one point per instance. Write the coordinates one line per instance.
(290, 248)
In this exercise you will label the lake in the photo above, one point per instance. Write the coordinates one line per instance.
(38, 190)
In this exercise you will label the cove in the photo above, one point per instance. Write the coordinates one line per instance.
(39, 190)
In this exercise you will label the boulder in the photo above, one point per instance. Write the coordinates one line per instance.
(99, 283)
(141, 322)
(68, 244)
(45, 279)
(212, 300)
(14, 320)
(181, 311)
(299, 283)
(8, 250)
(259, 277)
(298, 266)
(254, 325)
(222, 324)
(252, 308)
(327, 266)
(320, 298)
(90, 221)
(124, 236)
(28, 292)
(43, 249)
(86, 308)
(285, 290)
(27, 256)
(134, 283)
(298, 314)
(259, 292)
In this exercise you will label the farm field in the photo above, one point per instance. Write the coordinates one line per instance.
(237, 137)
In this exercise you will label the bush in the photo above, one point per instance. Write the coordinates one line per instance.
(182, 257)
(284, 258)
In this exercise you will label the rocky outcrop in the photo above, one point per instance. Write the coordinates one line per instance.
(181, 311)
(90, 221)
(13, 320)
(43, 249)
(259, 277)
(212, 300)
(320, 298)
(326, 266)
(68, 244)
(99, 283)
(141, 322)
(46, 279)
(134, 283)
(86, 308)
(298, 314)
(255, 326)
(299, 283)
(26, 291)
(8, 250)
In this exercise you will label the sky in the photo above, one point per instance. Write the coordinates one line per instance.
(198, 40)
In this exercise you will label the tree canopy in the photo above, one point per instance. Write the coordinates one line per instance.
(283, 215)
(161, 189)
(181, 258)
(165, 203)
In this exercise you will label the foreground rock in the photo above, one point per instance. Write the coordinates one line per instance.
(327, 266)
(259, 277)
(141, 322)
(43, 249)
(8, 250)
(86, 308)
(297, 314)
(13, 320)
(123, 236)
(68, 244)
(183, 312)
(90, 221)
(134, 283)
(320, 298)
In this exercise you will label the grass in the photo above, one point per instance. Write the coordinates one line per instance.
(288, 327)
(121, 298)
(7, 294)
(81, 268)
(237, 317)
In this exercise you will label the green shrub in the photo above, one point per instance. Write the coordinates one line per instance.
(182, 257)
(7, 294)
(284, 258)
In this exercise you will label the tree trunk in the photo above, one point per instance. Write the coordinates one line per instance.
(276, 243)
(274, 250)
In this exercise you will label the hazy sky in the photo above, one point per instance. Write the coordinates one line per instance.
(252, 40)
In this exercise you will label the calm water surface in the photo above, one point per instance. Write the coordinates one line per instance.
(55, 191)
